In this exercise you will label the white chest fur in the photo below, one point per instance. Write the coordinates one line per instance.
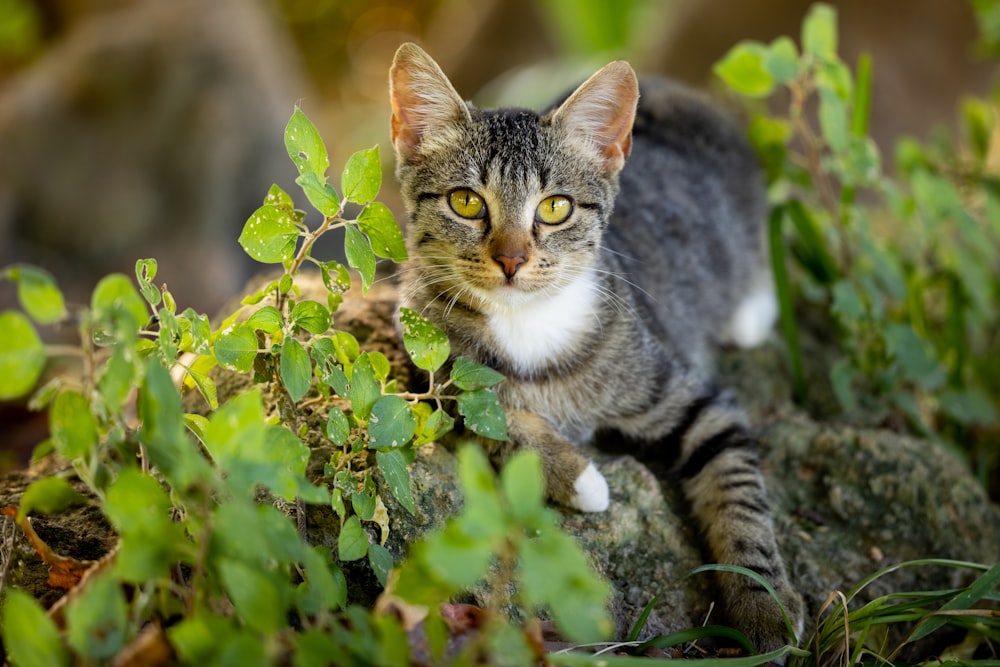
(532, 330)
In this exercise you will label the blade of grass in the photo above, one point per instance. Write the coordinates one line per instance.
(786, 305)
(969, 596)
(640, 622)
(695, 634)
(582, 660)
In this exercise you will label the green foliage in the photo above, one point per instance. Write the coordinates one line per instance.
(909, 275)
(183, 491)
(505, 533)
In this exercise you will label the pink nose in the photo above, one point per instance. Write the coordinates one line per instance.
(510, 265)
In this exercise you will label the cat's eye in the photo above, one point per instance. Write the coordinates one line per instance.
(467, 204)
(554, 210)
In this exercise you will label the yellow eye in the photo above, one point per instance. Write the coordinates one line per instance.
(467, 204)
(554, 210)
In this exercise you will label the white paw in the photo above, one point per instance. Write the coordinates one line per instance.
(754, 318)
(592, 493)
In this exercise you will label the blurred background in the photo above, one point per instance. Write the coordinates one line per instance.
(153, 128)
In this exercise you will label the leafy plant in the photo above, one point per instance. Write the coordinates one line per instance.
(182, 489)
(905, 264)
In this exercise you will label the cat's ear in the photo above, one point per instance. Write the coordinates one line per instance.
(601, 112)
(423, 100)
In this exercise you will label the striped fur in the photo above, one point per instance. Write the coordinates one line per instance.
(610, 318)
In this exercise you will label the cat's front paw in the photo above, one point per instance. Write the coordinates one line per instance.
(591, 491)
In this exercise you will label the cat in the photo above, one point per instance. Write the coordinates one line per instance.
(596, 254)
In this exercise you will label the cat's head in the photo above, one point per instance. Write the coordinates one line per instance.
(507, 204)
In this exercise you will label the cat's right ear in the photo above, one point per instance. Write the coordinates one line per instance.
(423, 100)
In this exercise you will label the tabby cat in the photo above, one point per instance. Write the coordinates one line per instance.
(595, 255)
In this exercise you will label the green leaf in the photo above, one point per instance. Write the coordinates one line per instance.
(915, 355)
(260, 598)
(328, 579)
(848, 304)
(383, 231)
(842, 380)
(482, 514)
(252, 452)
(360, 255)
(196, 638)
(392, 463)
(145, 272)
(269, 235)
(38, 294)
(353, 541)
(273, 540)
(380, 365)
(47, 496)
(427, 345)
(782, 60)
(819, 31)
(139, 509)
(335, 276)
(200, 332)
(483, 413)
(97, 619)
(278, 197)
(554, 572)
(296, 369)
(73, 425)
(236, 348)
(163, 430)
(117, 377)
(381, 561)
(267, 319)
(437, 424)
(969, 406)
(338, 429)
(346, 346)
(523, 484)
(362, 176)
(30, 637)
(319, 193)
(978, 124)
(115, 294)
(22, 355)
(363, 501)
(206, 386)
(743, 69)
(470, 375)
(833, 120)
(391, 424)
(304, 145)
(457, 558)
(364, 388)
(311, 316)
(335, 377)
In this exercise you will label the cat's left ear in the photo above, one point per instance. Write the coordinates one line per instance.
(601, 112)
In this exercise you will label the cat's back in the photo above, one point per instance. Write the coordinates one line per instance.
(687, 224)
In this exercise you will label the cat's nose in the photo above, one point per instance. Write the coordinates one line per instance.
(510, 265)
